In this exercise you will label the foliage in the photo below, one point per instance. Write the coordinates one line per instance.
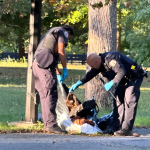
(14, 22)
(75, 13)
(135, 25)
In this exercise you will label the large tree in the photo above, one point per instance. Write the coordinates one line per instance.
(101, 38)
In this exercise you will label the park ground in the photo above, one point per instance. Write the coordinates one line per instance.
(13, 97)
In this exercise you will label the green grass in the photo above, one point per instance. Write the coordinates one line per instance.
(146, 81)
(12, 101)
(13, 92)
(143, 111)
(7, 128)
(13, 95)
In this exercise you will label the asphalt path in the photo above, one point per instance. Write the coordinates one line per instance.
(43, 141)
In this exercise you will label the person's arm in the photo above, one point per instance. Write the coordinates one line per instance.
(59, 77)
(62, 54)
(89, 75)
(113, 61)
(62, 42)
(119, 70)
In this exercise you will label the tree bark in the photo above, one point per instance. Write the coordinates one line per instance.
(21, 47)
(119, 38)
(118, 31)
(85, 49)
(102, 38)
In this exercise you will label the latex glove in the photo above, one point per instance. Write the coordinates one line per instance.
(64, 73)
(59, 78)
(75, 86)
(108, 85)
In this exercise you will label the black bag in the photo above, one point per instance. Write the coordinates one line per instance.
(88, 109)
(103, 125)
(104, 121)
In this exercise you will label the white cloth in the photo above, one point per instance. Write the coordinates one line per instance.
(65, 122)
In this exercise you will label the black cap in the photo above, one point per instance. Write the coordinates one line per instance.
(69, 28)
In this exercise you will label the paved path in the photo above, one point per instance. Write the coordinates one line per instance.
(24, 141)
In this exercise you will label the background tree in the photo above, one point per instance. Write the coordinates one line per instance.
(75, 13)
(138, 34)
(133, 25)
(14, 25)
(102, 38)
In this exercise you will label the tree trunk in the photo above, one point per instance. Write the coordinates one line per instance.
(118, 31)
(21, 47)
(85, 49)
(119, 38)
(102, 38)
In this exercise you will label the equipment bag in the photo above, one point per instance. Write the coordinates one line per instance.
(89, 108)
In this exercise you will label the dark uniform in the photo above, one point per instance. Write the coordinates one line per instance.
(46, 58)
(129, 76)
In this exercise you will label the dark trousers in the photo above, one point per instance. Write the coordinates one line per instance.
(125, 107)
(46, 85)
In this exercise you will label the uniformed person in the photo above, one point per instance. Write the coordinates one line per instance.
(46, 72)
(128, 76)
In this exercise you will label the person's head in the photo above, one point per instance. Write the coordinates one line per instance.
(69, 29)
(94, 60)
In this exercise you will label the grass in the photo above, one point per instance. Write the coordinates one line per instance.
(13, 96)
(13, 92)
(6, 128)
(12, 101)
(143, 117)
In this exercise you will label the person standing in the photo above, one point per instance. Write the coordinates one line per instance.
(128, 76)
(46, 72)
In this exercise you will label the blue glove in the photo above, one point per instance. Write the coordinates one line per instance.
(64, 73)
(108, 85)
(75, 86)
(59, 78)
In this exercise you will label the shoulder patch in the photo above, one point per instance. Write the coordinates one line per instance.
(112, 62)
(66, 34)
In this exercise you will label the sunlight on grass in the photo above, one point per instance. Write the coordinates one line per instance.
(81, 87)
(11, 85)
(25, 65)
(7, 128)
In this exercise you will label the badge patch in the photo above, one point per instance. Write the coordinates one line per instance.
(112, 62)
(133, 67)
(66, 34)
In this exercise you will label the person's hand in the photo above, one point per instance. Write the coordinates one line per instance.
(108, 85)
(75, 86)
(59, 78)
(64, 73)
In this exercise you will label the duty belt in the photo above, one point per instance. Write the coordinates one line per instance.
(48, 68)
(138, 70)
